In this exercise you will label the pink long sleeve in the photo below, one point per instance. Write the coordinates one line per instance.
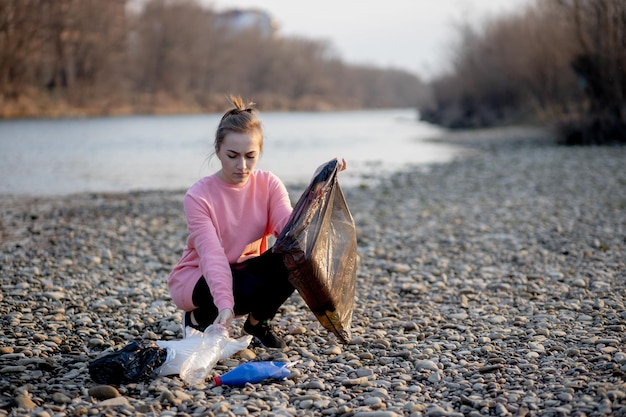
(226, 226)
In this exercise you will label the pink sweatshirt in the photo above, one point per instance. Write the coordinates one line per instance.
(227, 224)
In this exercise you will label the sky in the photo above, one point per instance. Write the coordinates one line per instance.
(414, 35)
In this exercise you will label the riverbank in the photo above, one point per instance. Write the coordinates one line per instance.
(491, 285)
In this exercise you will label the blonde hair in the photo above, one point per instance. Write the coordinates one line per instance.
(240, 119)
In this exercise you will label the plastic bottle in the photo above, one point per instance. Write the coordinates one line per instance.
(253, 372)
(204, 357)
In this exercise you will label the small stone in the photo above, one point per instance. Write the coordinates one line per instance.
(168, 397)
(357, 340)
(103, 392)
(80, 410)
(374, 402)
(297, 330)
(427, 365)
(434, 377)
(565, 396)
(333, 350)
(60, 398)
(115, 402)
(12, 369)
(375, 414)
(25, 401)
(437, 411)
(490, 368)
(246, 354)
(353, 382)
(306, 404)
(497, 319)
(316, 384)
(364, 372)
(220, 407)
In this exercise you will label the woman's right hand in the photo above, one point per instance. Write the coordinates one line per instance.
(225, 317)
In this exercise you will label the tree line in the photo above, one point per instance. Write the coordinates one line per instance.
(68, 57)
(560, 62)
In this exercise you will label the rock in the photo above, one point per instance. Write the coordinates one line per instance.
(103, 392)
(333, 350)
(61, 398)
(115, 402)
(24, 401)
(427, 365)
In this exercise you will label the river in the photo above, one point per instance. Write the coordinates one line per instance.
(52, 157)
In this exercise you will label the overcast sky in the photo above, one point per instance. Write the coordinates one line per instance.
(410, 34)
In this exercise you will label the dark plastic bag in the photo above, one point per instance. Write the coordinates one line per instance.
(318, 245)
(134, 362)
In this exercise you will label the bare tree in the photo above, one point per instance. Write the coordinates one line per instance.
(95, 56)
(600, 28)
(20, 43)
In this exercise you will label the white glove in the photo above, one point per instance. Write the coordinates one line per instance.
(225, 317)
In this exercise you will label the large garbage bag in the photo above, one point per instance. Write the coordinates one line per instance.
(318, 245)
(134, 362)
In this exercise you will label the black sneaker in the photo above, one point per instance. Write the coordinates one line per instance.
(263, 334)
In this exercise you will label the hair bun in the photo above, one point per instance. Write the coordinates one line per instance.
(237, 103)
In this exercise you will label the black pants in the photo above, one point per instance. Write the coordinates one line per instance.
(260, 287)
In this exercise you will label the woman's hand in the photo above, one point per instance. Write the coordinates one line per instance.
(341, 166)
(225, 317)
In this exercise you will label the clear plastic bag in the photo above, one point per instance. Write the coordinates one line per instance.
(179, 351)
(318, 245)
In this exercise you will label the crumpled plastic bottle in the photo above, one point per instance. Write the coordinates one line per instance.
(196, 368)
(254, 372)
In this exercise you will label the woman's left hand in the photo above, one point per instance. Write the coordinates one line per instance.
(341, 165)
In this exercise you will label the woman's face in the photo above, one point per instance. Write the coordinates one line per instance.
(238, 153)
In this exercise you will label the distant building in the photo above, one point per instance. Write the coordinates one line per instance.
(240, 19)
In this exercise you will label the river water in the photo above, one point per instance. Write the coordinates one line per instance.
(119, 154)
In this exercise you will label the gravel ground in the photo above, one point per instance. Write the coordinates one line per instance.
(491, 285)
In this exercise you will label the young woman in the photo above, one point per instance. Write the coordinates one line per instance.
(226, 269)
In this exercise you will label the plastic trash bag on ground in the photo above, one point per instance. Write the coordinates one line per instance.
(179, 351)
(143, 360)
(134, 362)
(318, 245)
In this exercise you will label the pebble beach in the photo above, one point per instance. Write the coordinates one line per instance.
(492, 285)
